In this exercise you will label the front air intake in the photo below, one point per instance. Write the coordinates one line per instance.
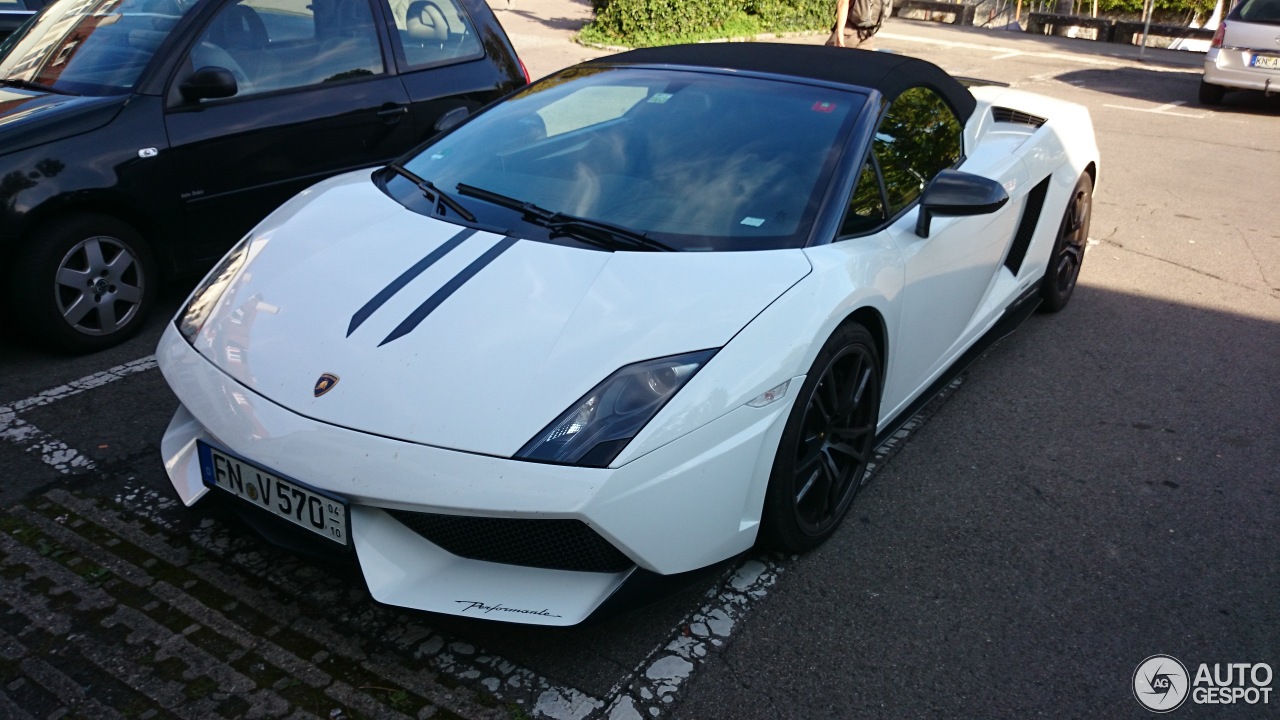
(548, 544)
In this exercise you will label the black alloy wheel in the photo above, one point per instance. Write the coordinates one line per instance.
(826, 445)
(1068, 249)
(86, 282)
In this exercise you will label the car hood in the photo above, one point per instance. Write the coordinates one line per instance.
(29, 118)
(455, 338)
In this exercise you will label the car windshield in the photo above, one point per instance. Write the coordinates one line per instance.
(1259, 11)
(91, 47)
(692, 160)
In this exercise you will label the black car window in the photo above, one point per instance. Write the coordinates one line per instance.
(1259, 11)
(918, 137)
(271, 45)
(866, 205)
(97, 47)
(432, 32)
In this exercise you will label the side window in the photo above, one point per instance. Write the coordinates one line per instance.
(918, 137)
(433, 32)
(273, 45)
(866, 205)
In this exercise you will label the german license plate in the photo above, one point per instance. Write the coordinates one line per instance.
(1270, 62)
(323, 514)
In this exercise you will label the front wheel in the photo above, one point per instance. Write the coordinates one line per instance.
(826, 445)
(1068, 249)
(83, 283)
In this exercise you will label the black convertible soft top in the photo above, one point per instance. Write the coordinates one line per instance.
(889, 73)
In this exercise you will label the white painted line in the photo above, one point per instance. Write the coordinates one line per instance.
(1161, 110)
(54, 452)
(89, 382)
(1067, 57)
(32, 439)
(1007, 55)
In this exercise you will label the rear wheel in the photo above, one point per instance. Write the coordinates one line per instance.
(1211, 94)
(826, 445)
(83, 283)
(1068, 250)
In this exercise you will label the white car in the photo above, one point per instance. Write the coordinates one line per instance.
(1245, 52)
(626, 323)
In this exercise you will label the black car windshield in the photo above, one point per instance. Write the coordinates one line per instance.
(692, 160)
(91, 47)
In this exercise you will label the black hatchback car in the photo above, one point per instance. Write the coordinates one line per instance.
(139, 139)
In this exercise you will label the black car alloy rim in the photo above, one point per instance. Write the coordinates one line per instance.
(837, 436)
(99, 286)
(1071, 241)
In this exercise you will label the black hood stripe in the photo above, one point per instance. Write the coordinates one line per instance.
(426, 308)
(405, 278)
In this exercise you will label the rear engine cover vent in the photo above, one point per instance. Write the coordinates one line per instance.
(1009, 115)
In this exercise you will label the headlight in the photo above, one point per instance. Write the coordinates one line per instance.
(594, 430)
(210, 291)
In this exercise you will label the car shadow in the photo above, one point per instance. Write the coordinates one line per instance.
(1165, 87)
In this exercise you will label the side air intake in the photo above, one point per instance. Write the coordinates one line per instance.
(1009, 115)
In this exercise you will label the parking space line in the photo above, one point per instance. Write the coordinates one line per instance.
(54, 452)
(1160, 110)
(1081, 59)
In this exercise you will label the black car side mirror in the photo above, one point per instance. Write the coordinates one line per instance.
(953, 192)
(208, 83)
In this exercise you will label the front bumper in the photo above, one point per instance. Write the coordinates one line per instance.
(1229, 67)
(688, 504)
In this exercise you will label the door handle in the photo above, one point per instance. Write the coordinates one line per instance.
(392, 112)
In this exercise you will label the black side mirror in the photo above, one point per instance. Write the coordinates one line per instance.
(956, 193)
(451, 119)
(208, 83)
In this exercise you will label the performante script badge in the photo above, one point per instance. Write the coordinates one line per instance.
(325, 384)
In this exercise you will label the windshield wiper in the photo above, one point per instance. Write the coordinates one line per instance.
(433, 193)
(595, 232)
(28, 85)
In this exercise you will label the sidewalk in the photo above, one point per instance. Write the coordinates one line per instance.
(542, 32)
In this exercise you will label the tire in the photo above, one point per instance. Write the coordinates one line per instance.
(87, 282)
(1211, 94)
(826, 444)
(1060, 276)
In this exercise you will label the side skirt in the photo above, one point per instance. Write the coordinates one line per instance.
(1018, 311)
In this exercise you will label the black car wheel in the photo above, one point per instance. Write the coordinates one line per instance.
(86, 282)
(826, 445)
(1068, 250)
(1211, 94)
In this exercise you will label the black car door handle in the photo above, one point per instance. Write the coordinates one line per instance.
(391, 112)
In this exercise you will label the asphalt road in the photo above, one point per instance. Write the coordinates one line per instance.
(1101, 487)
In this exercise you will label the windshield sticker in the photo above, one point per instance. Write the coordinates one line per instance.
(659, 98)
(823, 107)
(752, 221)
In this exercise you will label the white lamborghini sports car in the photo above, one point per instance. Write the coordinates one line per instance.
(628, 322)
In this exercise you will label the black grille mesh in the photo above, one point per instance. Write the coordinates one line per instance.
(550, 544)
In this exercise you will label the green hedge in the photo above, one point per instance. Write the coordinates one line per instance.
(653, 22)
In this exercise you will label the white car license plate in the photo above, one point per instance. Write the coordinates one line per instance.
(323, 514)
(1270, 62)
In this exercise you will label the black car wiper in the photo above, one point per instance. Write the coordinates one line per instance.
(433, 193)
(585, 229)
(28, 85)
